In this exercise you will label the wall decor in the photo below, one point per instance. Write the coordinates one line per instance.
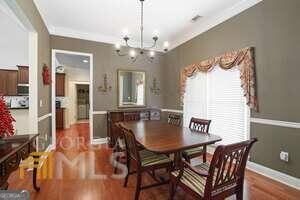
(105, 87)
(46, 75)
(155, 89)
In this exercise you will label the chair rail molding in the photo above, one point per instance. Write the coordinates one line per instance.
(101, 112)
(275, 122)
(44, 117)
(171, 110)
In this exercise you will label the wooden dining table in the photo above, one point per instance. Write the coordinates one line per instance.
(161, 137)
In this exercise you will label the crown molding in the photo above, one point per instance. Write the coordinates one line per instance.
(207, 23)
(97, 37)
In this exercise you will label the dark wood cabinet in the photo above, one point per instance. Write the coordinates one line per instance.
(59, 118)
(127, 115)
(8, 82)
(23, 74)
(60, 84)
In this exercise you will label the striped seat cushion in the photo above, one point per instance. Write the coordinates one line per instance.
(193, 180)
(149, 158)
(192, 151)
(197, 182)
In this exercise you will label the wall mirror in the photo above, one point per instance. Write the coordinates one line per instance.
(131, 88)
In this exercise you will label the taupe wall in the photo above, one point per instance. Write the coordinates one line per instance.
(273, 28)
(44, 92)
(107, 61)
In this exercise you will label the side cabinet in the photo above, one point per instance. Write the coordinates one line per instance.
(127, 115)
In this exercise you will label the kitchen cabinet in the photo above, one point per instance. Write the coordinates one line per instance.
(60, 84)
(59, 118)
(8, 82)
(23, 74)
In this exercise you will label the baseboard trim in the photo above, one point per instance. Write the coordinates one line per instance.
(171, 110)
(268, 172)
(275, 175)
(275, 122)
(100, 141)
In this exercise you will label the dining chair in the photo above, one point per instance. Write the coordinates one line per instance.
(174, 119)
(120, 147)
(145, 161)
(221, 178)
(201, 126)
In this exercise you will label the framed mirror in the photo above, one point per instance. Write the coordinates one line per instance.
(131, 88)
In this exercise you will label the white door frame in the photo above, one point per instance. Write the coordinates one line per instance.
(17, 13)
(53, 93)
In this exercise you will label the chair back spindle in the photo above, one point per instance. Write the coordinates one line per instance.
(227, 167)
(174, 119)
(199, 125)
(131, 145)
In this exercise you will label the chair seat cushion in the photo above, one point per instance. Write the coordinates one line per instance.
(149, 158)
(193, 180)
(193, 151)
(197, 182)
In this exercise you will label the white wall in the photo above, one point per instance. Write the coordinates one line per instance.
(21, 125)
(14, 42)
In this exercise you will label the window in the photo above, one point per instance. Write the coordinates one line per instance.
(221, 100)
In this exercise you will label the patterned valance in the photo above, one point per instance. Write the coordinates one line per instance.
(243, 59)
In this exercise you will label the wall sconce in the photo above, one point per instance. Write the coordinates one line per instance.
(105, 87)
(155, 89)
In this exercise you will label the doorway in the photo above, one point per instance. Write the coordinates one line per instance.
(72, 79)
(83, 103)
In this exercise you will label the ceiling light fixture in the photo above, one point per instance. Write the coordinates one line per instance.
(132, 54)
(85, 61)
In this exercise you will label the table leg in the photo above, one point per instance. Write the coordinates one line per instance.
(177, 159)
(36, 162)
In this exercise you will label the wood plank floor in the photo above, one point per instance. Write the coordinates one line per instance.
(71, 187)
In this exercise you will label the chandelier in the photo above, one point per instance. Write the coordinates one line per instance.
(142, 49)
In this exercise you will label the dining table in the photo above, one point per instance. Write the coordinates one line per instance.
(161, 137)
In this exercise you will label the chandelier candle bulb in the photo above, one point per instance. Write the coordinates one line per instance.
(152, 54)
(132, 53)
(117, 46)
(142, 48)
(166, 46)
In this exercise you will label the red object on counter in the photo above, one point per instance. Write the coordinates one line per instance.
(6, 120)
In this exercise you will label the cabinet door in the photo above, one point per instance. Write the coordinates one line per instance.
(23, 74)
(59, 118)
(60, 85)
(3, 82)
(11, 83)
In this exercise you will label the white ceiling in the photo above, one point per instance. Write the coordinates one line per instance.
(72, 60)
(104, 20)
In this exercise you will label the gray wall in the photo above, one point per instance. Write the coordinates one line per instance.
(44, 91)
(107, 61)
(273, 28)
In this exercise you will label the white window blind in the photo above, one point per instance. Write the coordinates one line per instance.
(195, 98)
(226, 105)
(221, 101)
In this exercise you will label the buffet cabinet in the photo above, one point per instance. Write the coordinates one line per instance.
(115, 116)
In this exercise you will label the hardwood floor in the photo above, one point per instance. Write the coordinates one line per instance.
(71, 187)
